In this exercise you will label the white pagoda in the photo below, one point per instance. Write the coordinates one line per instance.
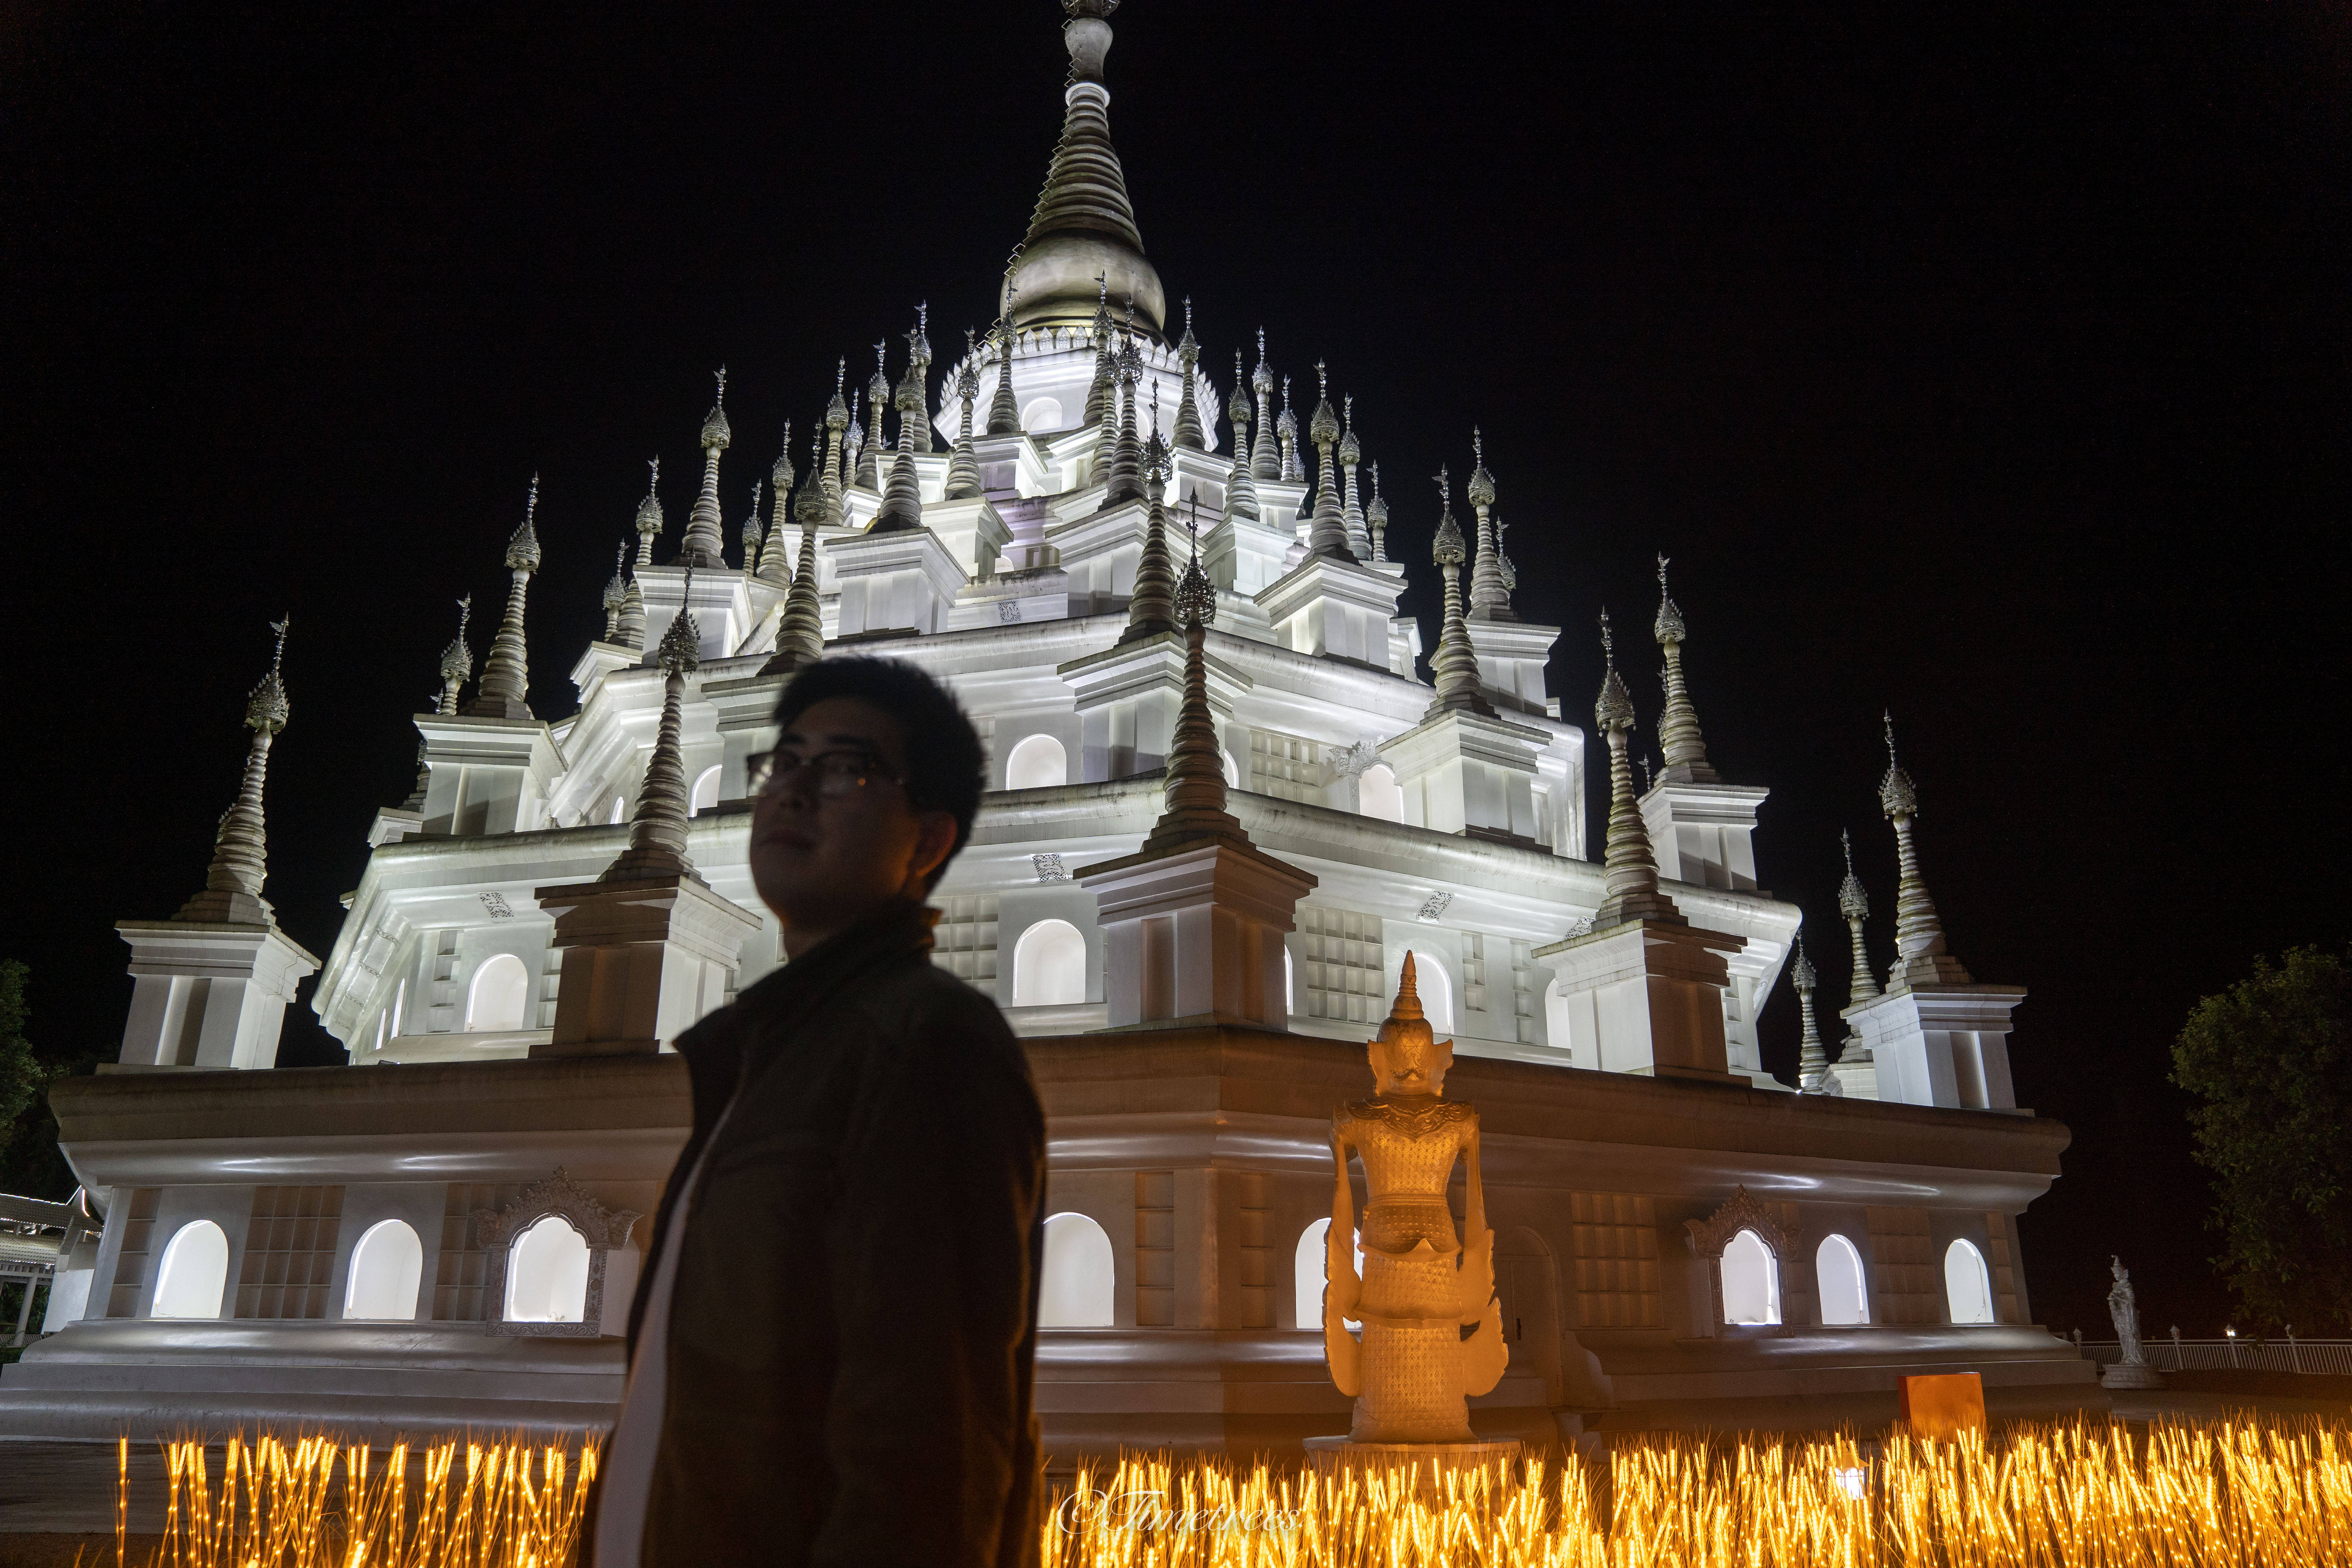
(1221, 813)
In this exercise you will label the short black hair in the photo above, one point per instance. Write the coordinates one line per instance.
(947, 767)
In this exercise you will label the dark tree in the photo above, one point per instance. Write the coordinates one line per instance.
(31, 1164)
(2271, 1060)
(22, 1076)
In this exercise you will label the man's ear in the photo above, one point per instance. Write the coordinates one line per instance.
(935, 840)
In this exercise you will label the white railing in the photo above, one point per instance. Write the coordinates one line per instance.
(2241, 1353)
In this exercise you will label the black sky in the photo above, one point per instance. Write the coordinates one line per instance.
(1987, 362)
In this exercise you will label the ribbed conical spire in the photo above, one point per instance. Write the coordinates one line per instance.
(705, 537)
(776, 552)
(902, 501)
(1240, 488)
(837, 422)
(1151, 610)
(1853, 903)
(915, 387)
(1456, 663)
(1683, 748)
(1105, 385)
(963, 467)
(799, 635)
(1812, 1058)
(616, 591)
(632, 629)
(506, 678)
(1083, 223)
(1351, 514)
(878, 397)
(649, 515)
(240, 864)
(1489, 601)
(1127, 455)
(657, 832)
(457, 658)
(1195, 790)
(1919, 931)
(1631, 887)
(750, 533)
(1329, 534)
(1376, 518)
(1188, 436)
(1266, 458)
(1285, 433)
(1003, 414)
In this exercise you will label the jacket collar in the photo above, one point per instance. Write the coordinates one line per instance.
(719, 1049)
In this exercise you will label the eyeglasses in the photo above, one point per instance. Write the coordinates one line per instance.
(838, 774)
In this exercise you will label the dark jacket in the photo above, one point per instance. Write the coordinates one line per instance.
(854, 1317)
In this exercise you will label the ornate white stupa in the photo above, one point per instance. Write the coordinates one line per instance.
(1223, 805)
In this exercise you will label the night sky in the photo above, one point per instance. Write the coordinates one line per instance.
(1983, 363)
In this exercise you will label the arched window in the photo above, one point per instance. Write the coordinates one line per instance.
(1837, 1271)
(1038, 762)
(1076, 1289)
(547, 1274)
(501, 989)
(1049, 965)
(706, 792)
(1306, 1274)
(1232, 773)
(1042, 415)
(1290, 982)
(1436, 988)
(195, 1272)
(1377, 792)
(620, 808)
(1751, 1281)
(1968, 1288)
(387, 1268)
(399, 1005)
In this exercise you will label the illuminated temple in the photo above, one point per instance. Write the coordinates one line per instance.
(1191, 888)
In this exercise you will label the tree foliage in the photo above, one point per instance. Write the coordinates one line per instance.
(2271, 1060)
(31, 1164)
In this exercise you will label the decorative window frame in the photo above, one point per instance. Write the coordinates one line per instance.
(1707, 1238)
(497, 1230)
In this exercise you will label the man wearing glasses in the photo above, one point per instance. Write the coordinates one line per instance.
(831, 1346)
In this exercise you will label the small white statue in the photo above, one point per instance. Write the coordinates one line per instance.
(1413, 1372)
(2123, 1305)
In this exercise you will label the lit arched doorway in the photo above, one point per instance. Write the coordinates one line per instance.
(1751, 1280)
(195, 1273)
(1837, 1273)
(387, 1267)
(706, 792)
(1041, 416)
(1049, 966)
(547, 1274)
(1038, 762)
(1436, 988)
(1079, 1281)
(498, 997)
(1968, 1288)
(1306, 1274)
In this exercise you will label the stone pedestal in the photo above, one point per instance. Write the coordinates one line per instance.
(1196, 932)
(1941, 1045)
(722, 608)
(642, 961)
(1432, 1462)
(1243, 556)
(2129, 1374)
(208, 995)
(902, 583)
(485, 775)
(1128, 698)
(1464, 772)
(1330, 607)
(1646, 998)
(1101, 551)
(972, 532)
